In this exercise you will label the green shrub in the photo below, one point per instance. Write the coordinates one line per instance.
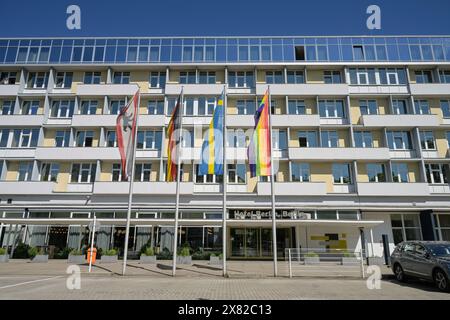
(21, 251)
(2, 251)
(311, 254)
(348, 254)
(165, 255)
(148, 252)
(62, 253)
(185, 252)
(76, 252)
(212, 255)
(33, 252)
(110, 252)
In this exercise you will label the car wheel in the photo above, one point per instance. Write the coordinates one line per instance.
(399, 273)
(441, 281)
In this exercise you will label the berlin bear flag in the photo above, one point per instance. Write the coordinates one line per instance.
(125, 130)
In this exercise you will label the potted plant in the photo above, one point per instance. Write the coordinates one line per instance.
(184, 256)
(148, 256)
(37, 255)
(312, 258)
(349, 258)
(4, 257)
(109, 256)
(215, 259)
(76, 256)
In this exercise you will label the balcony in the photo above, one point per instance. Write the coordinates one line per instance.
(18, 120)
(106, 89)
(240, 121)
(145, 188)
(217, 188)
(403, 154)
(293, 188)
(194, 89)
(236, 153)
(339, 153)
(191, 153)
(147, 120)
(94, 120)
(79, 187)
(387, 189)
(17, 153)
(295, 120)
(381, 89)
(343, 188)
(26, 188)
(439, 188)
(303, 89)
(9, 90)
(59, 121)
(192, 120)
(400, 121)
(77, 153)
(430, 89)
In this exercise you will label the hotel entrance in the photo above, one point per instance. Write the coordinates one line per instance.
(256, 243)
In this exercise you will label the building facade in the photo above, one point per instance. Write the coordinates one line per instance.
(361, 137)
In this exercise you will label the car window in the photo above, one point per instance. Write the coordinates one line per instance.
(440, 250)
(420, 250)
(409, 247)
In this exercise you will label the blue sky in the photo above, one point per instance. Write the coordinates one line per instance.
(230, 17)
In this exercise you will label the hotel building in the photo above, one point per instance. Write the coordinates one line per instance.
(361, 136)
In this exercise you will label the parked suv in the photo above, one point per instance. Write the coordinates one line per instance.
(428, 260)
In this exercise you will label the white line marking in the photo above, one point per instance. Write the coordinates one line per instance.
(28, 282)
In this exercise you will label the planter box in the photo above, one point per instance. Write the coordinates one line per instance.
(40, 258)
(312, 260)
(4, 258)
(75, 259)
(184, 260)
(108, 259)
(349, 261)
(215, 261)
(147, 259)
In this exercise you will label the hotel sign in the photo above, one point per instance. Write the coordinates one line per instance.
(267, 214)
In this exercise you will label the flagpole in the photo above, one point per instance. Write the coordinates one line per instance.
(130, 191)
(272, 190)
(225, 177)
(177, 201)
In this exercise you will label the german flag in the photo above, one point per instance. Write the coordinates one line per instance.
(173, 149)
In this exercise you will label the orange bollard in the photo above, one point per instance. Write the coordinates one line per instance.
(94, 255)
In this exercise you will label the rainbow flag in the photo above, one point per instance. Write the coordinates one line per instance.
(212, 148)
(259, 149)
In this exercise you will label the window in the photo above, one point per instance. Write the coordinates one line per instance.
(445, 107)
(295, 76)
(155, 107)
(7, 107)
(236, 138)
(274, 77)
(62, 138)
(237, 173)
(279, 139)
(368, 76)
(246, 107)
(442, 226)
(84, 139)
(422, 107)
(187, 138)
(8, 77)
(4, 135)
(25, 138)
(406, 227)
(188, 107)
(363, 139)
(92, 77)
(331, 108)
(368, 106)
(121, 78)
(423, 76)
(111, 140)
(376, 172)
(307, 139)
(115, 106)
(116, 172)
(49, 172)
(62, 109)
(206, 106)
(400, 172)
(207, 77)
(212, 178)
(436, 173)
(25, 171)
(63, 80)
(157, 80)
(362, 76)
(150, 139)
(89, 107)
(329, 139)
(30, 107)
(399, 140)
(299, 53)
(332, 77)
(341, 173)
(296, 107)
(399, 107)
(444, 76)
(241, 79)
(83, 172)
(427, 141)
(392, 77)
(358, 53)
(142, 172)
(37, 80)
(188, 77)
(300, 172)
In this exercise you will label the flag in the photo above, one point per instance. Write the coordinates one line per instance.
(173, 146)
(259, 149)
(212, 148)
(125, 130)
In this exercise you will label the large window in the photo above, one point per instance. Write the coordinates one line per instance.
(376, 172)
(437, 173)
(399, 140)
(427, 141)
(25, 138)
(84, 138)
(89, 107)
(188, 77)
(37, 80)
(423, 76)
(331, 108)
(296, 107)
(209, 178)
(49, 171)
(111, 140)
(4, 135)
(116, 173)
(92, 77)
(83, 172)
(341, 173)
(150, 139)
(300, 172)
(329, 139)
(206, 106)
(158, 79)
(307, 139)
(62, 138)
(279, 139)
(155, 107)
(399, 106)
(63, 80)
(445, 107)
(62, 109)
(241, 79)
(444, 76)
(405, 227)
(25, 171)
(115, 106)
(8, 77)
(143, 172)
(236, 138)
(422, 107)
(442, 226)
(400, 172)
(297, 76)
(207, 77)
(237, 173)
(331, 77)
(7, 107)
(274, 77)
(363, 139)
(380, 76)
(30, 107)
(368, 107)
(121, 78)
(246, 107)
